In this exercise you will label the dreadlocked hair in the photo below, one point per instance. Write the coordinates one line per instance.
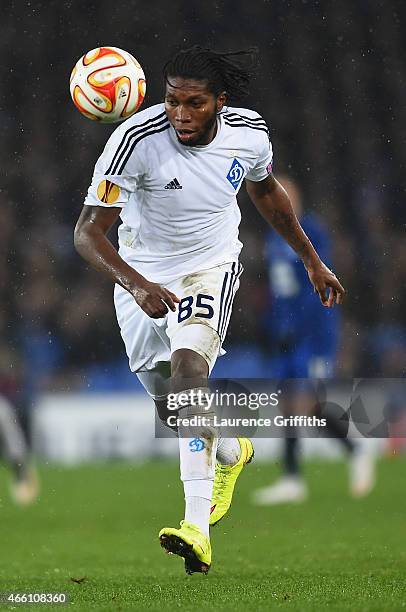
(229, 72)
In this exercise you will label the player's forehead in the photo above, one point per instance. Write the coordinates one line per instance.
(184, 88)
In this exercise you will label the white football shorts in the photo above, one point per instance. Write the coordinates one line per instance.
(206, 304)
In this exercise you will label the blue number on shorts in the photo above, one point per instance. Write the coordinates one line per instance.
(185, 307)
(200, 304)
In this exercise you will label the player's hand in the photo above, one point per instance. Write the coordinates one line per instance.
(326, 284)
(154, 299)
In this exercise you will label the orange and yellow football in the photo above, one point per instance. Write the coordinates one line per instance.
(107, 84)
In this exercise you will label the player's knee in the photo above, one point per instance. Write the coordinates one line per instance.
(189, 370)
(194, 352)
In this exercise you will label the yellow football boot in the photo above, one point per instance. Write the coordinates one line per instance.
(190, 543)
(225, 479)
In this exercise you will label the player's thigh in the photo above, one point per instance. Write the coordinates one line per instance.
(145, 339)
(201, 320)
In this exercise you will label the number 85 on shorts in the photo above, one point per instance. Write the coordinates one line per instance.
(203, 308)
(207, 297)
(206, 304)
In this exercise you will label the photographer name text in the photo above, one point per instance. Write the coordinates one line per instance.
(215, 421)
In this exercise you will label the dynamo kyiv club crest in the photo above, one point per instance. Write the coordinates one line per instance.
(235, 174)
(196, 445)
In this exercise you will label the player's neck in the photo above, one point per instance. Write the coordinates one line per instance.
(214, 132)
(210, 136)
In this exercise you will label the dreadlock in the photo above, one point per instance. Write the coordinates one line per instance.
(229, 72)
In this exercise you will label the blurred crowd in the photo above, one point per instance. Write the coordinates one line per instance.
(331, 85)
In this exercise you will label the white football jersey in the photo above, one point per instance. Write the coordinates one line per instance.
(179, 208)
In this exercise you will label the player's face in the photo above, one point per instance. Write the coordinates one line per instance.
(192, 109)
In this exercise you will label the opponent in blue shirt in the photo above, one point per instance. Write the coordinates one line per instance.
(303, 337)
(303, 343)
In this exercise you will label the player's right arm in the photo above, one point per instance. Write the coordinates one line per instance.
(92, 243)
(117, 174)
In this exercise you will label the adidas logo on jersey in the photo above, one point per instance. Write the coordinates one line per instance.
(173, 184)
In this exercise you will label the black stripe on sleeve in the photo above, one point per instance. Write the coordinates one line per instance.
(230, 114)
(148, 123)
(261, 128)
(135, 135)
(140, 137)
(235, 117)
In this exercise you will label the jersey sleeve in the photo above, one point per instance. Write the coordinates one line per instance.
(117, 173)
(263, 164)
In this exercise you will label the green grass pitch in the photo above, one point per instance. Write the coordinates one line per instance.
(98, 525)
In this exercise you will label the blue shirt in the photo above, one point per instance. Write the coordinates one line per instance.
(296, 317)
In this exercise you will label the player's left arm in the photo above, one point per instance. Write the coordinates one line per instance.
(273, 203)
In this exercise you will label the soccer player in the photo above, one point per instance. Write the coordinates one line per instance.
(172, 173)
(304, 340)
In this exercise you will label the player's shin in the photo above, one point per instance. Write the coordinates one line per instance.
(197, 449)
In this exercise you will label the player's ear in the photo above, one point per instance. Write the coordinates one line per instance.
(221, 100)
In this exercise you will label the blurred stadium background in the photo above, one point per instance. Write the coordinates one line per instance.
(331, 85)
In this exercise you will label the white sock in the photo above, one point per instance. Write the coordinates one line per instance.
(198, 495)
(197, 474)
(197, 465)
(228, 451)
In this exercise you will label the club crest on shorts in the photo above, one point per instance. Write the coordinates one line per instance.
(196, 445)
(235, 174)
